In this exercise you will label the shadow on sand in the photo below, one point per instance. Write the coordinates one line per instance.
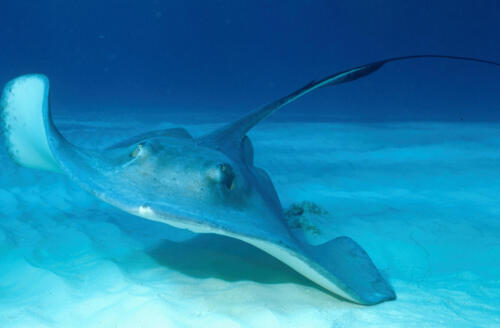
(214, 256)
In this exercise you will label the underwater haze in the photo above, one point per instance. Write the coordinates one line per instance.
(232, 56)
(404, 161)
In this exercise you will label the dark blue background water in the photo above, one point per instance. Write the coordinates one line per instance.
(231, 56)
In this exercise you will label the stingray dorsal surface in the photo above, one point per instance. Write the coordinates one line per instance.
(340, 266)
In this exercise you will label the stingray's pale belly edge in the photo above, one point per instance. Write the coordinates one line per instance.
(299, 257)
(284, 254)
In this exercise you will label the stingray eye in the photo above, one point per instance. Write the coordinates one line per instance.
(222, 174)
(137, 150)
(227, 174)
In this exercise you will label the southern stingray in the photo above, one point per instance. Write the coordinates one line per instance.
(207, 184)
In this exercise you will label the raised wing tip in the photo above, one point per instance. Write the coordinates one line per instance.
(24, 121)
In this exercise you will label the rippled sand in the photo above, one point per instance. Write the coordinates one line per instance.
(421, 198)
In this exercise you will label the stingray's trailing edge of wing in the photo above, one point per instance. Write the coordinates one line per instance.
(353, 269)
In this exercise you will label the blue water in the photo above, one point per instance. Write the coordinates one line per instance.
(405, 161)
(232, 56)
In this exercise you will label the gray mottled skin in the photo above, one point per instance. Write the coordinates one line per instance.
(210, 184)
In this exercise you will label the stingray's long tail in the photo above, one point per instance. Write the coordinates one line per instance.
(237, 130)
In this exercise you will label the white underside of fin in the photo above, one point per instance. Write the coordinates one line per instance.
(24, 110)
(286, 256)
(281, 253)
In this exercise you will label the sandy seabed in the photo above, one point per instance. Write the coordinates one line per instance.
(423, 199)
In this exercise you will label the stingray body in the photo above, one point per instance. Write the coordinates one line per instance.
(207, 184)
